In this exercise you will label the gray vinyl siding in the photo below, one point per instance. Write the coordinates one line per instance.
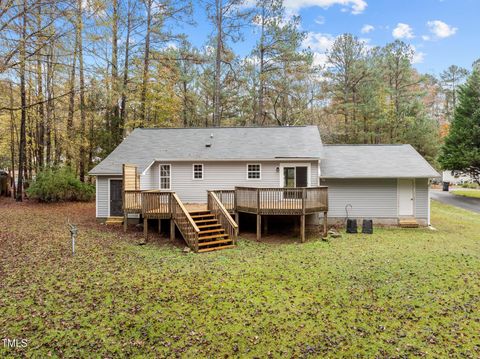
(102, 193)
(216, 175)
(314, 174)
(150, 180)
(421, 198)
(102, 196)
(375, 198)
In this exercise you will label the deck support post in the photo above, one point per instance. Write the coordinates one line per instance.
(237, 220)
(159, 226)
(325, 225)
(172, 229)
(125, 221)
(302, 228)
(145, 228)
(302, 217)
(259, 227)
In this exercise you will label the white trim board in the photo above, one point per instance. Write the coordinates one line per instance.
(96, 196)
(428, 206)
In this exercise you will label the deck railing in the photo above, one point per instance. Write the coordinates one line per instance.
(220, 212)
(159, 205)
(132, 202)
(156, 204)
(184, 222)
(277, 201)
(227, 198)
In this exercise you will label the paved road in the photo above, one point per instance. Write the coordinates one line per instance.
(471, 204)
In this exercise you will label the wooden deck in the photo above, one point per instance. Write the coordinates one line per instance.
(156, 204)
(281, 201)
(221, 204)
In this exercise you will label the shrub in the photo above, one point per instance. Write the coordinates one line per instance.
(60, 184)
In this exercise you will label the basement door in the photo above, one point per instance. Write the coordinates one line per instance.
(406, 198)
(116, 198)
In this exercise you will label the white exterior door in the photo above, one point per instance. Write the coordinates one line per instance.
(406, 197)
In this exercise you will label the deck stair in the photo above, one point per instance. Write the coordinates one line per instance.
(408, 222)
(116, 220)
(212, 236)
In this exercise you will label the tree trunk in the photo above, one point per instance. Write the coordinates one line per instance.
(12, 141)
(49, 88)
(115, 116)
(218, 62)
(81, 165)
(91, 141)
(23, 99)
(185, 104)
(30, 129)
(261, 87)
(146, 65)
(40, 123)
(71, 104)
(123, 110)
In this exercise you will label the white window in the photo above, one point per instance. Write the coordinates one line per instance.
(197, 171)
(165, 176)
(254, 171)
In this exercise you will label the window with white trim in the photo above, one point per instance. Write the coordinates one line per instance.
(254, 171)
(165, 177)
(197, 171)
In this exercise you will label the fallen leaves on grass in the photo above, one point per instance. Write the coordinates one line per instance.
(396, 293)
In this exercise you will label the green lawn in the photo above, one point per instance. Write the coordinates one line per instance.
(467, 193)
(397, 293)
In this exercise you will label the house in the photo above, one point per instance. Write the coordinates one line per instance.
(263, 171)
(456, 178)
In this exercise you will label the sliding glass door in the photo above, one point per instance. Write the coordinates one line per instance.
(295, 176)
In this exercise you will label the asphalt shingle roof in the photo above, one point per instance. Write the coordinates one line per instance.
(374, 161)
(143, 146)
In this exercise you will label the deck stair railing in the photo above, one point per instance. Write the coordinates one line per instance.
(184, 222)
(227, 198)
(215, 205)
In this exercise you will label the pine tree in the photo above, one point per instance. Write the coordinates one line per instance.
(461, 151)
(281, 64)
(451, 78)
